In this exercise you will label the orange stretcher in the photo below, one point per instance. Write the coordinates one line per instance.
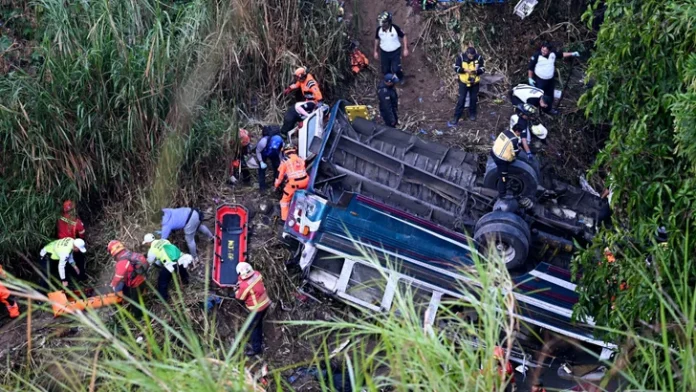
(61, 304)
(230, 243)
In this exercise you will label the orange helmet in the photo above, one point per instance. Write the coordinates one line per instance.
(244, 137)
(498, 352)
(301, 73)
(115, 247)
(68, 206)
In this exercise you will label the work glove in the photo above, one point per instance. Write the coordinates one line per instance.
(531, 82)
(169, 266)
(530, 156)
(263, 165)
(287, 91)
(576, 54)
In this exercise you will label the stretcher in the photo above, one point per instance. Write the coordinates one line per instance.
(90, 299)
(230, 243)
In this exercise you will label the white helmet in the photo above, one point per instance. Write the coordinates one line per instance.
(79, 243)
(185, 260)
(244, 270)
(540, 131)
(149, 237)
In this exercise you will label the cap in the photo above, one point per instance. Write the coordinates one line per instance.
(471, 50)
(149, 237)
(80, 244)
(391, 78)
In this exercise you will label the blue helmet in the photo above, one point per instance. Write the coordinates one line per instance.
(276, 143)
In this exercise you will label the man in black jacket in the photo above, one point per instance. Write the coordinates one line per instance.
(469, 67)
(388, 100)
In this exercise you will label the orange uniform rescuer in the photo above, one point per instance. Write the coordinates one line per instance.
(7, 299)
(294, 168)
(307, 84)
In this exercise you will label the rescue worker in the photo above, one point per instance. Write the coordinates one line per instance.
(129, 275)
(538, 387)
(542, 69)
(388, 39)
(268, 148)
(504, 152)
(388, 100)
(251, 290)
(293, 167)
(307, 85)
(7, 298)
(170, 259)
(188, 219)
(504, 368)
(239, 161)
(358, 60)
(524, 93)
(295, 114)
(61, 251)
(469, 66)
(70, 226)
(525, 116)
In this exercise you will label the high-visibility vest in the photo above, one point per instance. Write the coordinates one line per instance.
(57, 247)
(253, 293)
(164, 251)
(295, 167)
(505, 146)
(469, 65)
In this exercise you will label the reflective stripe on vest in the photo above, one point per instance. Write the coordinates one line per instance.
(295, 167)
(524, 92)
(504, 146)
(256, 303)
(158, 249)
(57, 247)
(471, 65)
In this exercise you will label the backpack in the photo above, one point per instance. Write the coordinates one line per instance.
(138, 261)
(270, 130)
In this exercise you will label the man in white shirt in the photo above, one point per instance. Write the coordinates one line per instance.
(542, 68)
(388, 40)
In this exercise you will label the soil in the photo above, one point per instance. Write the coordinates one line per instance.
(427, 100)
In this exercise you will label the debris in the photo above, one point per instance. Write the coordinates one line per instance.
(438, 132)
(212, 301)
(422, 131)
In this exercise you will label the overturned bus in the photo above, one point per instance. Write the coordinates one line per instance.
(422, 209)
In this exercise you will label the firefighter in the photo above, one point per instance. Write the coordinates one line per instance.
(358, 60)
(294, 168)
(542, 69)
(469, 67)
(525, 116)
(70, 226)
(388, 100)
(295, 114)
(524, 93)
(307, 85)
(129, 275)
(251, 290)
(268, 148)
(62, 251)
(7, 298)
(504, 152)
(239, 162)
(170, 259)
(388, 40)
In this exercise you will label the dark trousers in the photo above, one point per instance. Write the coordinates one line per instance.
(391, 63)
(256, 335)
(79, 258)
(291, 118)
(275, 164)
(135, 294)
(165, 278)
(548, 85)
(49, 268)
(473, 99)
(503, 170)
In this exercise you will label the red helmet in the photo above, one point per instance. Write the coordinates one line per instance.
(68, 206)
(498, 352)
(244, 137)
(115, 247)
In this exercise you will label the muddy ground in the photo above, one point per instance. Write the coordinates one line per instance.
(427, 101)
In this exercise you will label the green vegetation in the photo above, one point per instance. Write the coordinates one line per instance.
(644, 69)
(117, 77)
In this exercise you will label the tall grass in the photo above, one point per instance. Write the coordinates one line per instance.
(118, 77)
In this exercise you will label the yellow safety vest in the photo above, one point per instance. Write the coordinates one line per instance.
(157, 249)
(469, 65)
(505, 146)
(62, 246)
